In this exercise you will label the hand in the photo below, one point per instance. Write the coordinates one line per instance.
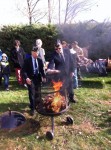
(52, 71)
(43, 79)
(56, 71)
(28, 81)
(72, 74)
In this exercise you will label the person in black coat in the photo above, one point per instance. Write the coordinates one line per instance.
(33, 73)
(17, 55)
(61, 64)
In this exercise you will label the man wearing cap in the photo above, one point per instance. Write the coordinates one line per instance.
(34, 74)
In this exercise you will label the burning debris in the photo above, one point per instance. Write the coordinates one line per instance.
(57, 101)
(54, 102)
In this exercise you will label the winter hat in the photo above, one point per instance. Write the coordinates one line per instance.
(4, 55)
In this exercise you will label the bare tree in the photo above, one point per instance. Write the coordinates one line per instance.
(33, 12)
(73, 7)
(59, 11)
(49, 11)
(55, 10)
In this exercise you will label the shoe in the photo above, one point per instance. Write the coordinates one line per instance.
(73, 100)
(7, 89)
(32, 112)
(75, 88)
(25, 85)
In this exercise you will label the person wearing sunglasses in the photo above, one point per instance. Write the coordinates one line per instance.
(60, 65)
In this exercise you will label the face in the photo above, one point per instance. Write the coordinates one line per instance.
(58, 49)
(35, 54)
(64, 45)
(3, 57)
(38, 43)
(17, 43)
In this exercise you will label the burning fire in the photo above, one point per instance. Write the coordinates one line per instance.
(55, 102)
(57, 85)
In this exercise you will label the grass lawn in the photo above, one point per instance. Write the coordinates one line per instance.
(91, 129)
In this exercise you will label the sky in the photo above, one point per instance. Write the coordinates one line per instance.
(100, 12)
(10, 15)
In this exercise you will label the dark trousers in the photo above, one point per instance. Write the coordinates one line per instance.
(68, 85)
(79, 72)
(34, 91)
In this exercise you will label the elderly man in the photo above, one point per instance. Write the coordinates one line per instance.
(33, 73)
(41, 50)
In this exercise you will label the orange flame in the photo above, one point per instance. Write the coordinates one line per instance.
(55, 102)
(58, 99)
(57, 85)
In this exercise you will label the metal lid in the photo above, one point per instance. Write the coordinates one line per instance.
(11, 119)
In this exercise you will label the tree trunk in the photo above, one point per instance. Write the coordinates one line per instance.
(49, 12)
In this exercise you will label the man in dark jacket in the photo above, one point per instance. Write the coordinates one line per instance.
(18, 56)
(61, 64)
(33, 73)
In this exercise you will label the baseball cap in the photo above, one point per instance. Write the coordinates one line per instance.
(35, 49)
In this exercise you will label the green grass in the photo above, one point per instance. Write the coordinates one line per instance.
(92, 119)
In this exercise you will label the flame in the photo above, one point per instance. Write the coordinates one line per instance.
(57, 85)
(55, 102)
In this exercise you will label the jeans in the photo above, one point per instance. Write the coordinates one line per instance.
(75, 79)
(6, 80)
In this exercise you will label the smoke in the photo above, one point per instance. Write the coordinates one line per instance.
(91, 33)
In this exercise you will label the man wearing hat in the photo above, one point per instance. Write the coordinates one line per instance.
(34, 74)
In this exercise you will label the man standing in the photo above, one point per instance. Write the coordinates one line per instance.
(41, 50)
(80, 55)
(61, 64)
(33, 73)
(75, 62)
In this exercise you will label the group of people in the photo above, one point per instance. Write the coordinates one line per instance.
(63, 64)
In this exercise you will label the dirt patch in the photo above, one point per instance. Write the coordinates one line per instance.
(87, 127)
(105, 102)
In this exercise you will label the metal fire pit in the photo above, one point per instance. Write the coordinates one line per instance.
(41, 109)
(11, 120)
